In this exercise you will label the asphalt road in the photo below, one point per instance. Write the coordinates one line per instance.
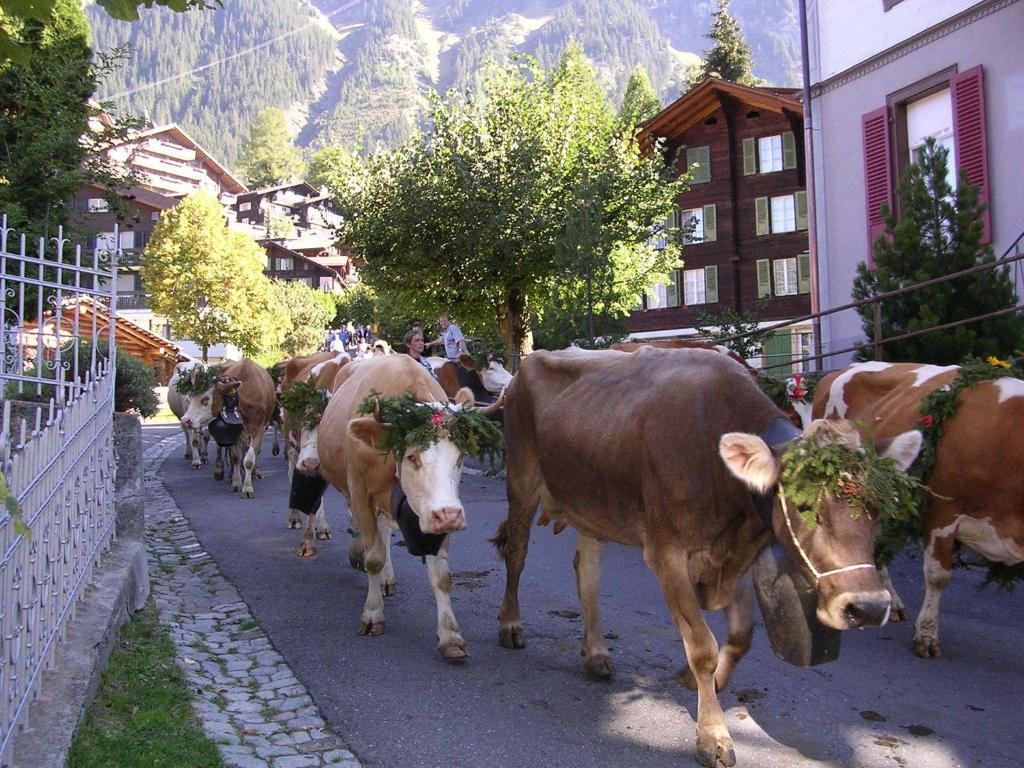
(400, 706)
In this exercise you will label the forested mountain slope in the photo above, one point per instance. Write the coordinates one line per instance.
(357, 72)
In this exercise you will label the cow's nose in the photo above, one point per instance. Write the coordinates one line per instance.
(448, 519)
(309, 465)
(186, 423)
(867, 612)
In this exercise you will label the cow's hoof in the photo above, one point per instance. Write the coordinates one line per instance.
(274, 450)
(686, 678)
(306, 549)
(371, 627)
(258, 474)
(217, 475)
(294, 520)
(712, 756)
(323, 533)
(511, 637)
(389, 588)
(454, 653)
(600, 667)
(248, 494)
(927, 647)
(898, 613)
(197, 466)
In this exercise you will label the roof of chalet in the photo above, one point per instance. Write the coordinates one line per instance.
(228, 179)
(707, 96)
(318, 263)
(129, 334)
(142, 195)
(310, 189)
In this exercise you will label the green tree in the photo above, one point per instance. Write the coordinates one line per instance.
(729, 57)
(268, 156)
(728, 323)
(474, 218)
(937, 231)
(208, 280)
(639, 103)
(307, 316)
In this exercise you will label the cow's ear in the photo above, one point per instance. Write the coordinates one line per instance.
(464, 397)
(467, 361)
(902, 449)
(366, 429)
(750, 459)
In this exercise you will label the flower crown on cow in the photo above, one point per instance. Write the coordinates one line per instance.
(197, 381)
(813, 469)
(304, 402)
(413, 425)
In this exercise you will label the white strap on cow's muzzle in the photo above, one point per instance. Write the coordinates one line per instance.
(818, 575)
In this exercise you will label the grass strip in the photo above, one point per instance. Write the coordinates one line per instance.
(142, 716)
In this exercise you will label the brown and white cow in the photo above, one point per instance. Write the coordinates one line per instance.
(351, 461)
(320, 373)
(661, 449)
(257, 401)
(485, 384)
(978, 478)
(196, 443)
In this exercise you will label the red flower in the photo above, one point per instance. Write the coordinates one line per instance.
(926, 421)
(799, 394)
(438, 419)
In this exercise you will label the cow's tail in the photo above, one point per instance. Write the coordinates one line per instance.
(500, 540)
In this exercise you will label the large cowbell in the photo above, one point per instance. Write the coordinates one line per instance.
(417, 542)
(788, 605)
(305, 492)
(227, 426)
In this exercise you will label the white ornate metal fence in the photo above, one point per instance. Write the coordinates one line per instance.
(56, 451)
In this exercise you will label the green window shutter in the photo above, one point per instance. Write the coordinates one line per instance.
(801, 210)
(778, 352)
(701, 157)
(672, 289)
(764, 278)
(749, 158)
(711, 284)
(710, 223)
(803, 272)
(705, 163)
(761, 215)
(788, 150)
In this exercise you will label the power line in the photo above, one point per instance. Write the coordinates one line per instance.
(229, 57)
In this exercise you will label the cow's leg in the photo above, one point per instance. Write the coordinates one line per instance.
(669, 563)
(739, 616)
(218, 465)
(291, 453)
(275, 446)
(204, 443)
(195, 438)
(512, 541)
(374, 557)
(188, 443)
(387, 574)
(938, 566)
(596, 658)
(898, 611)
(321, 526)
(449, 637)
(308, 546)
(251, 460)
(235, 456)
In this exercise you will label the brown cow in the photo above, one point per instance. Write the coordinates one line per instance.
(351, 461)
(645, 449)
(978, 487)
(257, 402)
(320, 373)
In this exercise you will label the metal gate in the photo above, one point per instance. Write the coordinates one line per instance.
(56, 450)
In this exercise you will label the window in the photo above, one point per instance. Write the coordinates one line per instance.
(698, 162)
(692, 221)
(284, 264)
(785, 277)
(769, 154)
(657, 296)
(932, 117)
(244, 206)
(154, 215)
(98, 205)
(700, 286)
(783, 214)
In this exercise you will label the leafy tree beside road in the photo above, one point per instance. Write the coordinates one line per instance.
(208, 280)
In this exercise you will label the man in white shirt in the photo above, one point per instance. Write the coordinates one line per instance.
(452, 338)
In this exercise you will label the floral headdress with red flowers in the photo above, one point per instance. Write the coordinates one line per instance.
(414, 425)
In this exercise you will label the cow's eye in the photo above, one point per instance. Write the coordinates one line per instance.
(205, 401)
(413, 459)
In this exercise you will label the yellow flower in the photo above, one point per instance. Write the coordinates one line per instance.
(993, 360)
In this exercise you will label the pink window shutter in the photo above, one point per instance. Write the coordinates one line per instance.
(877, 173)
(969, 136)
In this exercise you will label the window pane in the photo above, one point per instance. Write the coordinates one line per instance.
(694, 218)
(693, 286)
(785, 277)
(932, 117)
(769, 150)
(656, 297)
(783, 214)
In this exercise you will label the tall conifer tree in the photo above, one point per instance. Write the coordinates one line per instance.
(268, 156)
(639, 103)
(729, 57)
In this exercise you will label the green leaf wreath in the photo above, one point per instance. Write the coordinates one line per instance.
(814, 470)
(197, 381)
(305, 402)
(412, 425)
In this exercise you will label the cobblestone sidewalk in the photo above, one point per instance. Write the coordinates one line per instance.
(249, 701)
